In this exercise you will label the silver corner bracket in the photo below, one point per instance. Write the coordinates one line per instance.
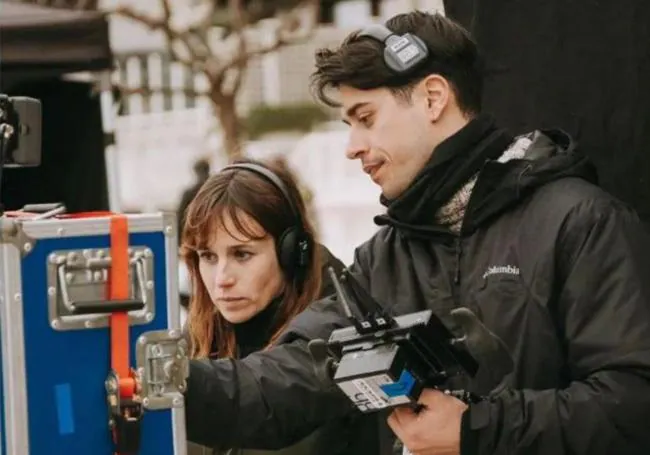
(162, 368)
(11, 231)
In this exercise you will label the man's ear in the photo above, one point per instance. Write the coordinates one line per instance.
(436, 93)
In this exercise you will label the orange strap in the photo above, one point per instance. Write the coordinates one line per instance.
(119, 290)
(96, 214)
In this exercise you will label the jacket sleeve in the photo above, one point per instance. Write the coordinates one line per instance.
(603, 317)
(270, 399)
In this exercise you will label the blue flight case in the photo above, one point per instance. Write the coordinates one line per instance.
(62, 392)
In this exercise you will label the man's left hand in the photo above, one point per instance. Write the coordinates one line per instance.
(434, 430)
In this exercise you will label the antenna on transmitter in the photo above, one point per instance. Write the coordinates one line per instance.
(373, 316)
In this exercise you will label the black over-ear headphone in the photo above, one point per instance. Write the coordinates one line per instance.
(402, 53)
(294, 247)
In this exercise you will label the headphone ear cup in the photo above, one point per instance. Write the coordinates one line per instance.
(388, 60)
(294, 250)
(391, 57)
(423, 47)
(287, 251)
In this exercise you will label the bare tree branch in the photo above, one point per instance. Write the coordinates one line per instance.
(148, 91)
(203, 26)
(195, 59)
(238, 24)
(155, 24)
(224, 61)
(195, 39)
(196, 45)
(288, 32)
(151, 23)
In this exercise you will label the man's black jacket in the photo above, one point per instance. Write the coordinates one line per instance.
(552, 264)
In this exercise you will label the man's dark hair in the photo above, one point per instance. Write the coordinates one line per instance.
(359, 61)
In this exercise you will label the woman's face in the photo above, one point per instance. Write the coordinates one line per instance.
(242, 275)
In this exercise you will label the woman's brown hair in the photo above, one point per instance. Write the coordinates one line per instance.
(230, 194)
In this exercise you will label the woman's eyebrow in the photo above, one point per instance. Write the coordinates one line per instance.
(244, 243)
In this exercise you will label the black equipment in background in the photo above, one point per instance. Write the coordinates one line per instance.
(20, 133)
(20, 127)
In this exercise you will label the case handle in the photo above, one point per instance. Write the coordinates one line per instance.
(84, 307)
(104, 306)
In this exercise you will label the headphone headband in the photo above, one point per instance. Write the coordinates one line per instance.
(271, 177)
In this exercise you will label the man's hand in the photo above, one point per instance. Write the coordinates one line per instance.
(435, 430)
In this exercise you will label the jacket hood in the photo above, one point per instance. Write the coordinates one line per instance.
(550, 155)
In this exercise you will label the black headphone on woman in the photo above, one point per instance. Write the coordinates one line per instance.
(294, 247)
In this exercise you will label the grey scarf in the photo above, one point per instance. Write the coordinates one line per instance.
(452, 213)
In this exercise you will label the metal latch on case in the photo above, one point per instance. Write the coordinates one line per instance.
(162, 364)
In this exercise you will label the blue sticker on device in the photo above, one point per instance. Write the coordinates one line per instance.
(402, 387)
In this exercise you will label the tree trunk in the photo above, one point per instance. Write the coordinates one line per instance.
(226, 112)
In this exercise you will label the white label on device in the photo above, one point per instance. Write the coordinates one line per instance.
(367, 395)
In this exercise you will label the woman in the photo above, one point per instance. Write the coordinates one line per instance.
(254, 265)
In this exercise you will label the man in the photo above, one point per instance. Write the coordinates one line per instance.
(513, 228)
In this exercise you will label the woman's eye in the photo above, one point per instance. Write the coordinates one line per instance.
(242, 255)
(207, 256)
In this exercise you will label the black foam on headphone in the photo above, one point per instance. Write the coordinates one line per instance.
(402, 53)
(294, 246)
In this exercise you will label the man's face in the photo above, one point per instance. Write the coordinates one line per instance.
(391, 137)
